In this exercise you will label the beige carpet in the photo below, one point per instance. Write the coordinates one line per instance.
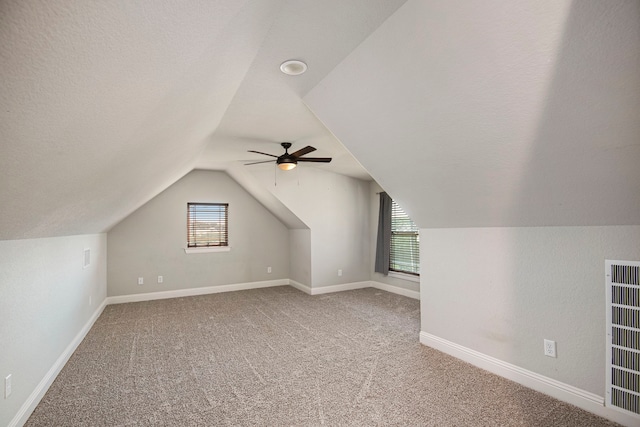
(279, 357)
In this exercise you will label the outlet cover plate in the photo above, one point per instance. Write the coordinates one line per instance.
(549, 348)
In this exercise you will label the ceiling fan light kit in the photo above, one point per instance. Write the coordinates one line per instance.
(287, 166)
(289, 161)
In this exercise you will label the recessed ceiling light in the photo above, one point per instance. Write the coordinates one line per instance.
(293, 67)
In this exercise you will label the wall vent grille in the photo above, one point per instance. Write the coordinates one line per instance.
(623, 335)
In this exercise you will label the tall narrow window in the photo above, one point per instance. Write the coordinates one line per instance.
(207, 225)
(405, 243)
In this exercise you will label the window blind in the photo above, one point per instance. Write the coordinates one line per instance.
(207, 224)
(405, 242)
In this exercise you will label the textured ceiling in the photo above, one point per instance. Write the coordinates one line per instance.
(494, 113)
(106, 104)
(267, 109)
(497, 113)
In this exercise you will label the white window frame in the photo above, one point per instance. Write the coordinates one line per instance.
(224, 247)
(403, 274)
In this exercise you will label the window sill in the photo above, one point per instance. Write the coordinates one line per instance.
(207, 250)
(404, 276)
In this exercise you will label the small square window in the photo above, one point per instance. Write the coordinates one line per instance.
(207, 225)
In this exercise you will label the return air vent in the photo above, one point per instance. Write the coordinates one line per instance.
(623, 335)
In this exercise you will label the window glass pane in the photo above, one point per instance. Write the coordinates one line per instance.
(207, 224)
(405, 242)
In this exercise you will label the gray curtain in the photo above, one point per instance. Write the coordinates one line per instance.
(383, 245)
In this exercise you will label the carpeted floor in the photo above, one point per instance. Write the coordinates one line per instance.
(279, 357)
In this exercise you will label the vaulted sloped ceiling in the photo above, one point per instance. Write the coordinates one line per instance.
(497, 113)
(469, 113)
(267, 109)
(105, 104)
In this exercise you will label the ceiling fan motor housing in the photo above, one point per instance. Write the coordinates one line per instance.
(286, 157)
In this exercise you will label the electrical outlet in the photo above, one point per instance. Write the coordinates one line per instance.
(7, 386)
(340, 272)
(140, 280)
(268, 269)
(549, 348)
(160, 279)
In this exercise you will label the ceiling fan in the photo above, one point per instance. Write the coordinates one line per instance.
(288, 161)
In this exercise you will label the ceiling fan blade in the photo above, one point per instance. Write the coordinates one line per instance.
(260, 152)
(301, 152)
(263, 161)
(315, 159)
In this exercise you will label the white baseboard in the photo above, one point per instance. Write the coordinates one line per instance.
(567, 393)
(301, 287)
(354, 285)
(150, 296)
(340, 288)
(329, 289)
(396, 290)
(34, 398)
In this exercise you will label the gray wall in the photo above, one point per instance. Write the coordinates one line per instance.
(151, 241)
(374, 212)
(336, 209)
(501, 291)
(44, 303)
(300, 244)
